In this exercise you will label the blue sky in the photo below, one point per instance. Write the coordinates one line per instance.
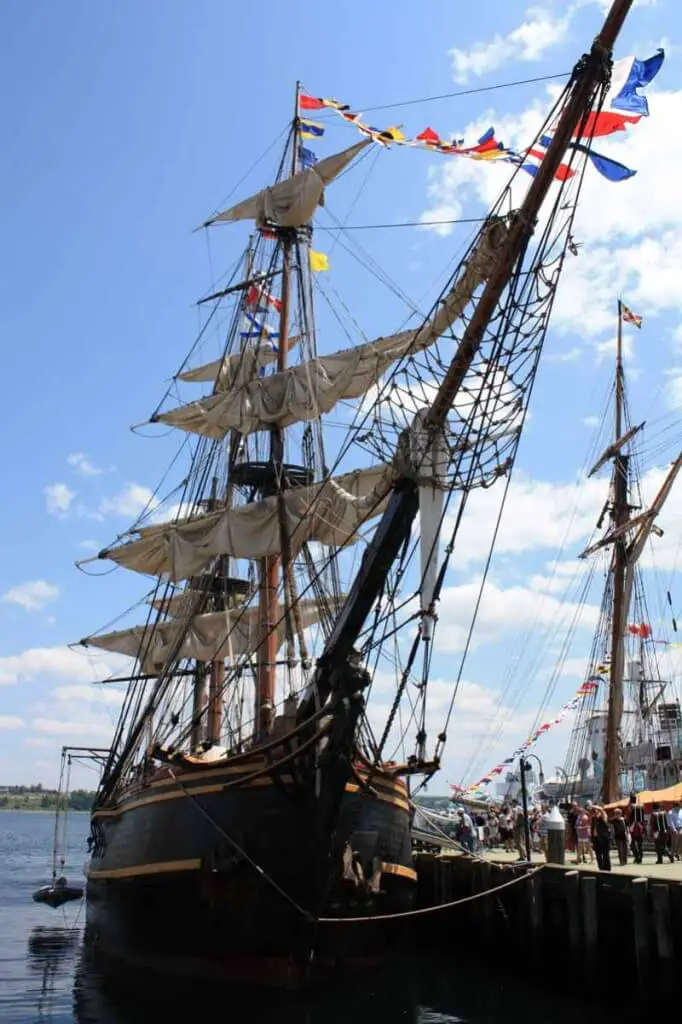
(125, 126)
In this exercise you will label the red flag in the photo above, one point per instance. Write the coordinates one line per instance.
(604, 123)
(309, 102)
(428, 135)
(258, 297)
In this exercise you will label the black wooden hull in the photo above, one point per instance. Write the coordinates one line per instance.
(198, 875)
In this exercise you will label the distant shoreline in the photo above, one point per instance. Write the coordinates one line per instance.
(40, 810)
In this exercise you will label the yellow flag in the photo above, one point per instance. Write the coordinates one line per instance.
(318, 261)
(396, 134)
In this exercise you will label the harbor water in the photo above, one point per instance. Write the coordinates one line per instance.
(46, 976)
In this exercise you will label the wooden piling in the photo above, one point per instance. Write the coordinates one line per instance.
(640, 932)
(572, 903)
(660, 899)
(588, 901)
(535, 916)
(487, 906)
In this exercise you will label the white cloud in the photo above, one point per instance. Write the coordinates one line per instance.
(560, 576)
(570, 355)
(591, 421)
(31, 596)
(540, 30)
(480, 720)
(89, 545)
(58, 498)
(133, 500)
(80, 462)
(89, 728)
(93, 694)
(56, 661)
(673, 388)
(502, 612)
(538, 515)
(11, 722)
(129, 502)
(39, 741)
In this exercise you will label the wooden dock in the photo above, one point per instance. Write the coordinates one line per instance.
(622, 926)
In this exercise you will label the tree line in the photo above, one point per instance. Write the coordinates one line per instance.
(37, 798)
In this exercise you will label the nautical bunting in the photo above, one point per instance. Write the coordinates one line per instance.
(318, 261)
(586, 689)
(622, 106)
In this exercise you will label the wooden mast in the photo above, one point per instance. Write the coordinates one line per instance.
(270, 567)
(620, 514)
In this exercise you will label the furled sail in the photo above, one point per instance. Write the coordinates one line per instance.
(292, 203)
(211, 636)
(329, 512)
(312, 388)
(237, 370)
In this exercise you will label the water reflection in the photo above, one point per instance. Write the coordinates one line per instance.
(51, 952)
(422, 991)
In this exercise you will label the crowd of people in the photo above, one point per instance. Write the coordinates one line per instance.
(591, 831)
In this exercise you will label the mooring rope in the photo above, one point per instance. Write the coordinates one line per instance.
(419, 912)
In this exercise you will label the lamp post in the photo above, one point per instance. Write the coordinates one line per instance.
(525, 767)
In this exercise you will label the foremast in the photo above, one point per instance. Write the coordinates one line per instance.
(274, 566)
(395, 526)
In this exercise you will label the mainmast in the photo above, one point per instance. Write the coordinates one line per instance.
(270, 567)
(620, 514)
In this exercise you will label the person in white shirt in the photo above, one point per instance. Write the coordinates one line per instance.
(466, 830)
(675, 826)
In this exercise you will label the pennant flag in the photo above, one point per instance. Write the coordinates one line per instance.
(259, 329)
(628, 76)
(310, 129)
(259, 298)
(307, 157)
(428, 136)
(603, 122)
(394, 134)
(628, 317)
(622, 105)
(309, 102)
(318, 261)
(534, 157)
(335, 105)
(610, 169)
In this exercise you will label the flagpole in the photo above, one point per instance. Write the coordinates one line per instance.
(295, 129)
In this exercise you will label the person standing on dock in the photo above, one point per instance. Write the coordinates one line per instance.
(601, 838)
(620, 834)
(635, 819)
(466, 830)
(675, 826)
(584, 846)
(660, 834)
(520, 831)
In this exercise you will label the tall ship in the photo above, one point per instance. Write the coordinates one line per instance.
(628, 734)
(253, 819)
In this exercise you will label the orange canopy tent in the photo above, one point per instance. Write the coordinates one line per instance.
(647, 797)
